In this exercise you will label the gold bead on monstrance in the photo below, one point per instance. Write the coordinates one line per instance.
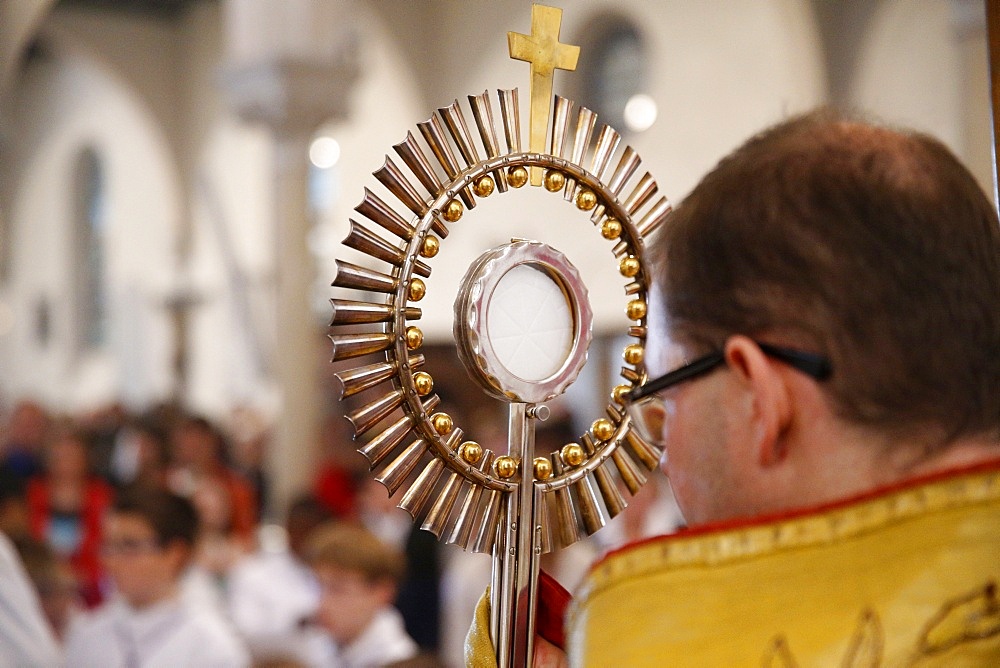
(611, 229)
(414, 337)
(423, 382)
(543, 468)
(602, 429)
(633, 353)
(618, 394)
(431, 246)
(453, 211)
(554, 181)
(517, 176)
(572, 454)
(484, 186)
(629, 266)
(586, 200)
(636, 309)
(442, 423)
(417, 290)
(505, 466)
(470, 452)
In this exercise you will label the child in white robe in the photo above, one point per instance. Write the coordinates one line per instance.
(148, 542)
(358, 576)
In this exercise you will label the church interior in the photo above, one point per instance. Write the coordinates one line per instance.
(177, 177)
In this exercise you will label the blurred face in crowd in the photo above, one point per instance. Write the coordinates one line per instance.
(193, 445)
(67, 458)
(144, 571)
(349, 601)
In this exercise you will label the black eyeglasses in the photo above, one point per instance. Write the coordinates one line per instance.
(641, 400)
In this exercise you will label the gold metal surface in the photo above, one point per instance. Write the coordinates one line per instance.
(442, 423)
(633, 353)
(505, 466)
(572, 454)
(618, 394)
(517, 176)
(484, 186)
(543, 50)
(414, 338)
(636, 309)
(629, 266)
(423, 382)
(602, 429)
(554, 180)
(611, 229)
(586, 200)
(471, 452)
(430, 247)
(453, 211)
(542, 468)
(417, 290)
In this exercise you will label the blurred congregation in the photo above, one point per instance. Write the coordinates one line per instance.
(343, 579)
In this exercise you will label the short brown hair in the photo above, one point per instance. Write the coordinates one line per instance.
(354, 548)
(172, 517)
(873, 246)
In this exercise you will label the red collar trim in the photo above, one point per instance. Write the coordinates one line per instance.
(747, 522)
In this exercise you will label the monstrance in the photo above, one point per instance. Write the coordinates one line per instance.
(522, 328)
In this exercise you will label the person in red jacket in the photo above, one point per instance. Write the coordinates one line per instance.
(66, 505)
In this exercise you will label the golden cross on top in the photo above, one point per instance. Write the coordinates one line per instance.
(545, 53)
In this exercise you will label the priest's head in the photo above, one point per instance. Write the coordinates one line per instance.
(835, 287)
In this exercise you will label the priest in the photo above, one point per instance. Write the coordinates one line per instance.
(824, 372)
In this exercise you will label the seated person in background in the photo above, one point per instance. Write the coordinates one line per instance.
(273, 594)
(148, 540)
(22, 439)
(25, 636)
(358, 576)
(199, 454)
(53, 581)
(66, 506)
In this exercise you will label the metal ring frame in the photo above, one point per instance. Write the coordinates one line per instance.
(599, 446)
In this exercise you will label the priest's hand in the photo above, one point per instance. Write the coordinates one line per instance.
(548, 655)
(479, 650)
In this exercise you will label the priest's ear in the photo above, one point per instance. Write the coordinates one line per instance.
(766, 403)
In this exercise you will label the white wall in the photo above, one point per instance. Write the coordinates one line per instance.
(68, 105)
(719, 71)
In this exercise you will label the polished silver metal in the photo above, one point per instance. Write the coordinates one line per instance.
(472, 314)
(515, 562)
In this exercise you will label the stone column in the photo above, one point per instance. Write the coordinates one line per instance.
(292, 79)
(969, 19)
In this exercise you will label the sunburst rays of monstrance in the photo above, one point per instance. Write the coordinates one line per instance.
(519, 504)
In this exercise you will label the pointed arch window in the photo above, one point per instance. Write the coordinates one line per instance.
(89, 291)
